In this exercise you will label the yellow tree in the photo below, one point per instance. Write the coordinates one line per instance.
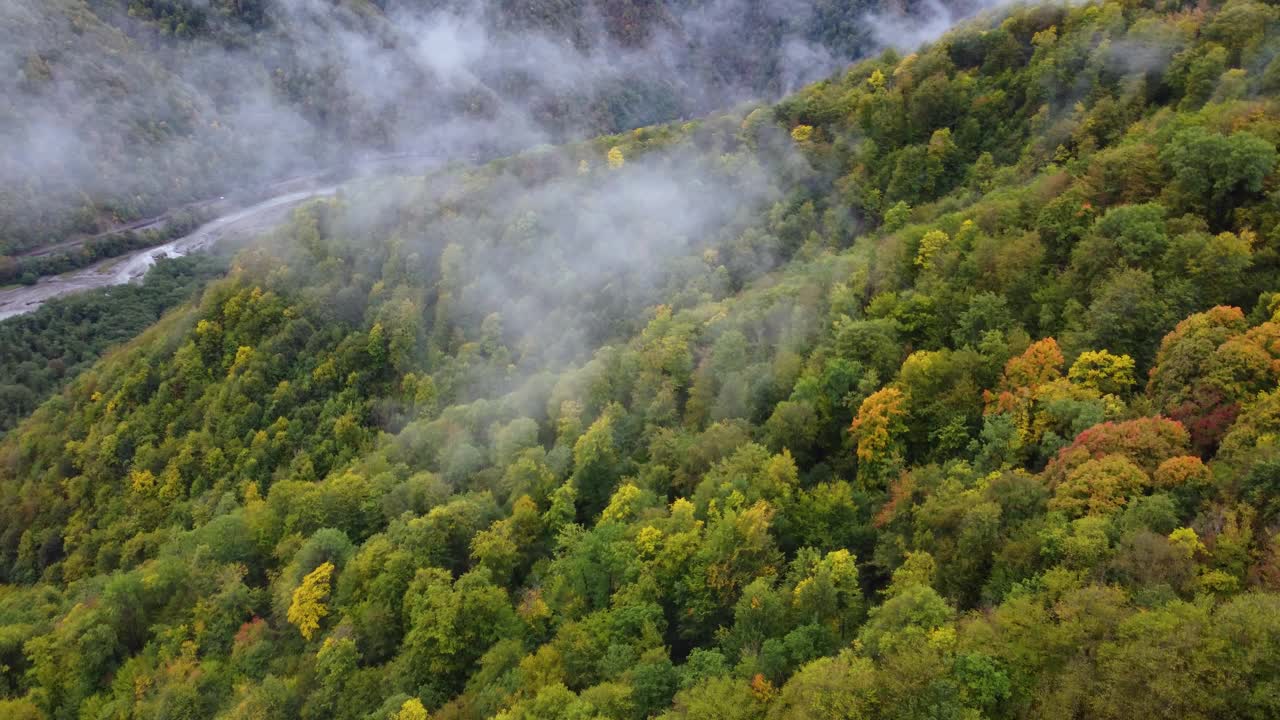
(412, 709)
(1104, 372)
(930, 245)
(877, 428)
(308, 608)
(878, 417)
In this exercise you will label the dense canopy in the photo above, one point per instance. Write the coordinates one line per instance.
(944, 388)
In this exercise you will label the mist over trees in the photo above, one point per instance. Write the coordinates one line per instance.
(113, 110)
(943, 387)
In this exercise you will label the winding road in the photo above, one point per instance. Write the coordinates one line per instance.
(132, 266)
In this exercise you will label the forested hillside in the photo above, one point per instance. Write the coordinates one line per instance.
(42, 351)
(112, 110)
(946, 388)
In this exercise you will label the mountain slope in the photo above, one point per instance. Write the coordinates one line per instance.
(944, 388)
(118, 110)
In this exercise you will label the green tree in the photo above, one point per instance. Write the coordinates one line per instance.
(1214, 173)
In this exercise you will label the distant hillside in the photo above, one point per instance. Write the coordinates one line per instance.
(118, 109)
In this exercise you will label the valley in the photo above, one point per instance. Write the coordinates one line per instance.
(256, 219)
(749, 361)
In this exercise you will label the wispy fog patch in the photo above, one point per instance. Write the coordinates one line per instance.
(102, 107)
(927, 20)
(563, 259)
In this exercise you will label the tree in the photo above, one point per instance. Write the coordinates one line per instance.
(1025, 379)
(20, 709)
(1217, 265)
(595, 465)
(308, 607)
(1215, 650)
(1147, 442)
(1131, 236)
(1104, 372)
(1099, 487)
(906, 618)
(878, 429)
(1214, 173)
(720, 698)
(1040, 364)
(1200, 70)
(451, 625)
(931, 244)
(831, 687)
(1255, 429)
(1130, 173)
(412, 709)
(750, 474)
(1184, 352)
(737, 549)
(1127, 315)
(793, 426)
(913, 176)
(829, 593)
(1182, 380)
(1239, 25)
(896, 217)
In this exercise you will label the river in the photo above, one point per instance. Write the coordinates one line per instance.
(132, 266)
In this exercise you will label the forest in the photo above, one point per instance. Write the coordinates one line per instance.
(43, 350)
(115, 110)
(29, 268)
(946, 387)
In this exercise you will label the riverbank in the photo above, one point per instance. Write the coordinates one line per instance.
(20, 299)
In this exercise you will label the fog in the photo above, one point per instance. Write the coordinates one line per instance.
(102, 108)
(577, 250)
(903, 30)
